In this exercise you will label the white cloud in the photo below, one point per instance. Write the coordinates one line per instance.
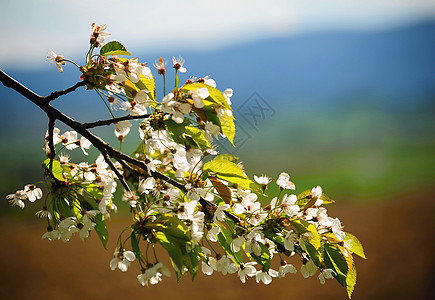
(31, 28)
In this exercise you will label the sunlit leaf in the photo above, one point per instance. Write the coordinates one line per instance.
(351, 281)
(101, 229)
(114, 48)
(198, 137)
(354, 245)
(55, 168)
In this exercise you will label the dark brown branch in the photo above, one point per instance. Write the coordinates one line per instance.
(103, 147)
(98, 143)
(50, 138)
(112, 121)
(57, 94)
(116, 171)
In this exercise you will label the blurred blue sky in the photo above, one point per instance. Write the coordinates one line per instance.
(31, 28)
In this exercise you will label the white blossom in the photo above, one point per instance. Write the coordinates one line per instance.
(289, 205)
(51, 235)
(57, 59)
(237, 243)
(212, 233)
(219, 214)
(336, 229)
(197, 227)
(289, 240)
(33, 193)
(246, 270)
(186, 210)
(122, 260)
(265, 277)
(146, 185)
(208, 268)
(284, 182)
(178, 64)
(198, 95)
(316, 192)
(308, 269)
(226, 266)
(326, 274)
(17, 198)
(284, 269)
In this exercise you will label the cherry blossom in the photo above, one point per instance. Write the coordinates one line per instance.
(178, 64)
(122, 260)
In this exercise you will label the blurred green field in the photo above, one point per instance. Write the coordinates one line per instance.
(358, 152)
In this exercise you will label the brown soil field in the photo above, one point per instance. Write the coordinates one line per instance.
(397, 235)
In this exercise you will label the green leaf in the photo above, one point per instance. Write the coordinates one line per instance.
(135, 245)
(228, 157)
(227, 170)
(61, 206)
(224, 167)
(114, 48)
(191, 260)
(173, 248)
(95, 191)
(311, 239)
(228, 128)
(264, 259)
(215, 97)
(174, 227)
(176, 131)
(335, 260)
(351, 281)
(55, 168)
(198, 137)
(147, 84)
(354, 245)
(101, 229)
(225, 239)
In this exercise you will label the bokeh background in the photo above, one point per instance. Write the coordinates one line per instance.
(337, 93)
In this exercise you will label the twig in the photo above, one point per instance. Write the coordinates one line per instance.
(50, 138)
(57, 94)
(102, 146)
(116, 171)
(111, 121)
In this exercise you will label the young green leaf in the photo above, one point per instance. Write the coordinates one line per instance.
(228, 128)
(173, 248)
(101, 229)
(335, 260)
(264, 258)
(351, 281)
(354, 245)
(216, 97)
(55, 168)
(198, 137)
(114, 48)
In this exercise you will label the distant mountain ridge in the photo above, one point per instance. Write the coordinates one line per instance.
(396, 65)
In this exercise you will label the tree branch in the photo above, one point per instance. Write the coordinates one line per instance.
(50, 138)
(116, 171)
(57, 94)
(112, 121)
(102, 146)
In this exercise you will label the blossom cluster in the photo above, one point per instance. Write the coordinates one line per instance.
(200, 205)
